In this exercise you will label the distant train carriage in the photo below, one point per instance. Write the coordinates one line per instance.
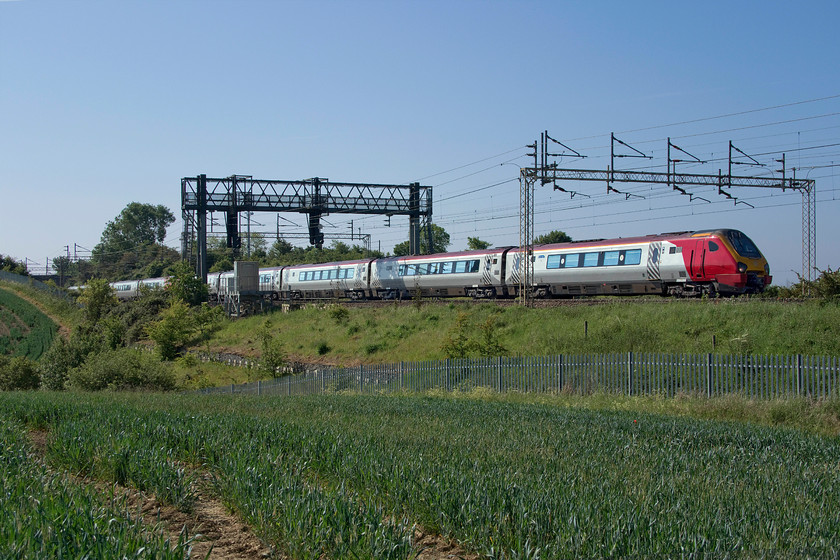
(468, 273)
(347, 279)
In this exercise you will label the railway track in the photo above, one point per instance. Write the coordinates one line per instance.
(537, 304)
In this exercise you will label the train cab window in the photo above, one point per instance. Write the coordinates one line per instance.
(743, 244)
(672, 250)
(496, 260)
(633, 256)
(713, 246)
(590, 259)
(611, 258)
(571, 261)
(446, 268)
(553, 261)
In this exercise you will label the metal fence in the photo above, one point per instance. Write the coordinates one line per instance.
(759, 377)
(37, 284)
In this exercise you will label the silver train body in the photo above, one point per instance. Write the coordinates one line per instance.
(686, 263)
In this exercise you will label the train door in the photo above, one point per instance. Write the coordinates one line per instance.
(697, 260)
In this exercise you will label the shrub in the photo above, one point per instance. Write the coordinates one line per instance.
(173, 330)
(273, 356)
(339, 314)
(18, 373)
(123, 368)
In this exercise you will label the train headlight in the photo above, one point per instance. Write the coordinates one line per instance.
(767, 269)
(742, 268)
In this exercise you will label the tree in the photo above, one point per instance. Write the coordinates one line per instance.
(98, 297)
(555, 236)
(11, 265)
(474, 244)
(184, 286)
(440, 242)
(133, 240)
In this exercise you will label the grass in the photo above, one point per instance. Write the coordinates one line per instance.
(346, 476)
(410, 333)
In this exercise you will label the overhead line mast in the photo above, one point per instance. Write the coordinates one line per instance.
(547, 172)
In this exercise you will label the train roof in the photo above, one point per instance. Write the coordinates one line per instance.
(631, 240)
(455, 255)
(333, 263)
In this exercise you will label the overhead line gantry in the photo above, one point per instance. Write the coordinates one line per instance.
(315, 197)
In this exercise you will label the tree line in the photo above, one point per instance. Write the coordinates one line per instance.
(132, 247)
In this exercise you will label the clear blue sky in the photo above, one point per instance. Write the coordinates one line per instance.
(103, 103)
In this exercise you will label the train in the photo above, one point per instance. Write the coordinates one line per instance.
(714, 262)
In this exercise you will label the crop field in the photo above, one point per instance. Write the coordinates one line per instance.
(24, 330)
(349, 476)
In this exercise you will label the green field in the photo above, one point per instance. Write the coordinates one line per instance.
(24, 329)
(345, 476)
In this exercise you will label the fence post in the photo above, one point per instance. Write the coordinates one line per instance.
(630, 374)
(446, 374)
(799, 375)
(231, 388)
(709, 391)
(259, 387)
(560, 373)
(499, 371)
(401, 376)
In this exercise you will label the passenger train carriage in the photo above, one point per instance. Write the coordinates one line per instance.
(722, 261)
(689, 263)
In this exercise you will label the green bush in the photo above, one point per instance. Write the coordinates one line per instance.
(123, 368)
(18, 373)
(63, 356)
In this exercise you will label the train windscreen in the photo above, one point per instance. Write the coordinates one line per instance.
(743, 244)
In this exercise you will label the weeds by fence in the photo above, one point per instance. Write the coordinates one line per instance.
(759, 377)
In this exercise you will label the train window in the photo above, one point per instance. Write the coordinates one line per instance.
(611, 258)
(572, 261)
(446, 268)
(743, 244)
(474, 266)
(496, 261)
(433, 268)
(713, 246)
(349, 273)
(553, 261)
(672, 250)
(590, 259)
(409, 270)
(633, 256)
(461, 266)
